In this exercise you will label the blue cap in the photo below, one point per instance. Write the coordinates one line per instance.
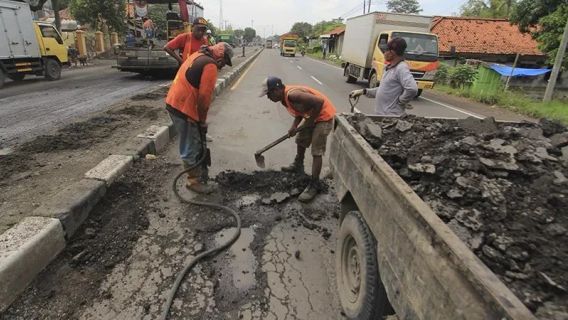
(269, 84)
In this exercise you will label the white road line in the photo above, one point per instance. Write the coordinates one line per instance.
(455, 109)
(326, 64)
(316, 80)
(299, 68)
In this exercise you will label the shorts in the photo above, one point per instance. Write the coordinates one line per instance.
(316, 137)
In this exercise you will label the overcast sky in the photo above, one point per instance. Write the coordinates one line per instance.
(283, 13)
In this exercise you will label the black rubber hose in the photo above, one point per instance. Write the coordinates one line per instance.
(209, 253)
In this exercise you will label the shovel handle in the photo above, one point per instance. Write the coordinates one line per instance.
(278, 141)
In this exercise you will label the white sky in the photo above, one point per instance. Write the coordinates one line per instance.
(281, 14)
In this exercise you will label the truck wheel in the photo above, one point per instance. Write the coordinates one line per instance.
(17, 76)
(350, 79)
(361, 291)
(373, 80)
(52, 70)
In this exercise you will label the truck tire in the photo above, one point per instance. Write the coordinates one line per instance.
(52, 70)
(2, 78)
(361, 291)
(17, 76)
(350, 79)
(373, 80)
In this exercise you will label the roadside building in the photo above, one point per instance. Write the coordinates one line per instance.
(489, 40)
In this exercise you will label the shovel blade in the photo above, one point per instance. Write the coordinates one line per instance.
(259, 160)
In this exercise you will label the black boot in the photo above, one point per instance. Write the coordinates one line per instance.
(296, 167)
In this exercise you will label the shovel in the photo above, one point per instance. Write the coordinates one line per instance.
(258, 155)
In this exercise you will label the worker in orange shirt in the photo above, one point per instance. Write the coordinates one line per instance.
(188, 43)
(188, 102)
(317, 112)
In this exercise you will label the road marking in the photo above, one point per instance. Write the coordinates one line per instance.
(454, 108)
(299, 68)
(316, 80)
(327, 64)
(243, 75)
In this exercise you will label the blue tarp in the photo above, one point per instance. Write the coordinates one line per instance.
(518, 72)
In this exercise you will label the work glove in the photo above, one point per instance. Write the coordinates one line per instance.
(357, 93)
(292, 132)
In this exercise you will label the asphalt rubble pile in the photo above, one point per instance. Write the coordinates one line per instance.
(501, 187)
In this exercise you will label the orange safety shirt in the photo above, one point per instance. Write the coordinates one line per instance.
(327, 111)
(187, 44)
(194, 83)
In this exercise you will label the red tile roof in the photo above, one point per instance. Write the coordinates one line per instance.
(337, 31)
(482, 36)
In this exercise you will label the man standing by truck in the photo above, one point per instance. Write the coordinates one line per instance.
(188, 43)
(317, 111)
(188, 103)
(397, 87)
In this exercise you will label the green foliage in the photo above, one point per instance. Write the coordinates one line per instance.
(302, 29)
(323, 27)
(550, 16)
(442, 74)
(157, 12)
(404, 6)
(550, 33)
(249, 34)
(239, 33)
(461, 76)
(487, 8)
(100, 13)
(515, 101)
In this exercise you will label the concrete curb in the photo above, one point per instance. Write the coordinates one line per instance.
(25, 250)
(31, 245)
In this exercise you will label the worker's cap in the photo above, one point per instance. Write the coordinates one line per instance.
(222, 50)
(200, 21)
(208, 31)
(270, 84)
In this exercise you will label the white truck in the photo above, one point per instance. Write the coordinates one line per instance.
(366, 38)
(27, 46)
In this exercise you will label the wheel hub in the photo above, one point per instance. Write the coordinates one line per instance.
(351, 270)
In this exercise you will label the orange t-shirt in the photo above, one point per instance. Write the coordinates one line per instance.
(187, 44)
(327, 111)
(194, 83)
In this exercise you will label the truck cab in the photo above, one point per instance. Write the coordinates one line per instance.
(421, 56)
(27, 46)
(289, 44)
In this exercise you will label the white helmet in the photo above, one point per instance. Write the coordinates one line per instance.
(208, 31)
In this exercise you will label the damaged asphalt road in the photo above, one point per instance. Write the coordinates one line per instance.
(124, 259)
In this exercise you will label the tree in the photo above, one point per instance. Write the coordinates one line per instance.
(550, 16)
(404, 6)
(324, 26)
(57, 5)
(239, 33)
(249, 34)
(487, 8)
(100, 13)
(302, 29)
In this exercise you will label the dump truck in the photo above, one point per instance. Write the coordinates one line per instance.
(146, 56)
(394, 252)
(366, 39)
(27, 46)
(288, 44)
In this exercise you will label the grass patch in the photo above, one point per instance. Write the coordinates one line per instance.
(514, 101)
(329, 59)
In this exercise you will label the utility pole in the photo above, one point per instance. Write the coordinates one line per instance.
(557, 65)
(221, 14)
(369, 9)
(364, 6)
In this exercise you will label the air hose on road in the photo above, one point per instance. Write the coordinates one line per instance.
(209, 253)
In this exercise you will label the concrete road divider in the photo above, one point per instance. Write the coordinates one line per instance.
(160, 135)
(110, 168)
(31, 245)
(25, 250)
(73, 204)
